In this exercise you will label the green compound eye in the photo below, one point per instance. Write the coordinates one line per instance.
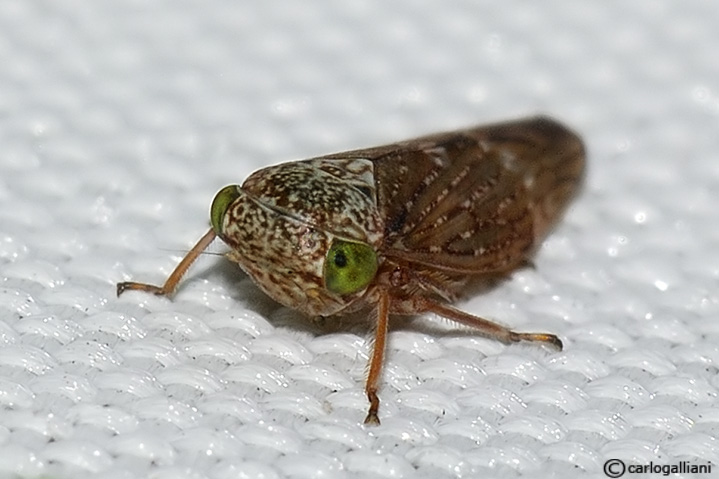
(222, 201)
(349, 267)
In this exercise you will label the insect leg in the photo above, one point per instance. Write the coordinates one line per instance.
(375, 363)
(174, 278)
(486, 327)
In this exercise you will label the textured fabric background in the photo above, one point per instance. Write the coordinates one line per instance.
(119, 120)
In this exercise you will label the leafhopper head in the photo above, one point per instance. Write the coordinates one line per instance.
(304, 265)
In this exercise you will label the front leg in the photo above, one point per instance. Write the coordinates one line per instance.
(375, 362)
(171, 282)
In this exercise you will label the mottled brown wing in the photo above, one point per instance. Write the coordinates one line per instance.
(477, 200)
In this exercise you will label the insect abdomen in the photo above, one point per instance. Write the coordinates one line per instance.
(477, 200)
(552, 159)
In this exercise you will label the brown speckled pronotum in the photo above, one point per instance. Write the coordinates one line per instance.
(398, 229)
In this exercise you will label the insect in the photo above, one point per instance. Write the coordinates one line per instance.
(399, 228)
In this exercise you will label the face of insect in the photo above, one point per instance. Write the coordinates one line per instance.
(306, 232)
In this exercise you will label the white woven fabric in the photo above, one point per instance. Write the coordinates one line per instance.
(120, 119)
